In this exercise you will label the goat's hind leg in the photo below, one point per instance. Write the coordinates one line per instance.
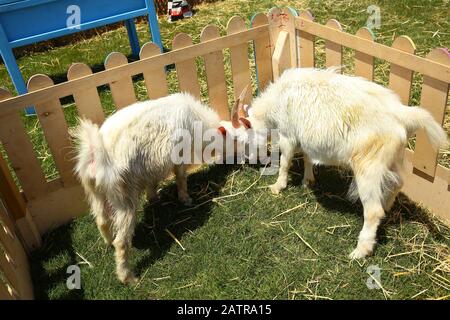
(369, 183)
(124, 222)
(394, 187)
(102, 214)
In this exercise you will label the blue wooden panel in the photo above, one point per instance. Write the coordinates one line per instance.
(48, 19)
(24, 22)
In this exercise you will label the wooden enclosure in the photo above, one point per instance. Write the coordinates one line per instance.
(281, 40)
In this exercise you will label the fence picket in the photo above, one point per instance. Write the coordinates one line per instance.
(306, 44)
(4, 292)
(122, 90)
(7, 238)
(20, 152)
(8, 268)
(333, 50)
(55, 129)
(215, 74)
(364, 62)
(240, 67)
(87, 101)
(281, 55)
(262, 48)
(434, 99)
(155, 78)
(186, 69)
(400, 79)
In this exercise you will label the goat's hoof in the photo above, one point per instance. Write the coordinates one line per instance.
(359, 253)
(128, 278)
(307, 183)
(187, 201)
(275, 189)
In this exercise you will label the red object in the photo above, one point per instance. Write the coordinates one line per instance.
(222, 130)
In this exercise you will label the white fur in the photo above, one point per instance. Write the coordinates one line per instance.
(129, 153)
(343, 120)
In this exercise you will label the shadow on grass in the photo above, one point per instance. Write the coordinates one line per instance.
(57, 245)
(331, 189)
(168, 215)
(50, 262)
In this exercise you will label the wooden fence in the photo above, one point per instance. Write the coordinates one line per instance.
(281, 40)
(15, 280)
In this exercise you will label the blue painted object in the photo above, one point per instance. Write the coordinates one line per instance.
(24, 22)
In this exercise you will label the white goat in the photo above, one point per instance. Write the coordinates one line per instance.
(132, 152)
(342, 120)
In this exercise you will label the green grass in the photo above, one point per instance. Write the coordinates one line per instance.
(234, 248)
(237, 247)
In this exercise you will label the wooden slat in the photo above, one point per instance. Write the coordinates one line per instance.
(14, 262)
(100, 78)
(5, 218)
(424, 66)
(273, 18)
(20, 152)
(434, 99)
(186, 69)
(281, 55)
(364, 62)
(239, 61)
(155, 78)
(434, 195)
(122, 89)
(283, 20)
(10, 193)
(8, 268)
(305, 41)
(7, 238)
(263, 59)
(87, 101)
(288, 16)
(55, 129)
(58, 207)
(333, 50)
(4, 292)
(30, 236)
(215, 74)
(400, 79)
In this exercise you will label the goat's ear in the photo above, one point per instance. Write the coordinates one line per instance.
(237, 108)
(247, 124)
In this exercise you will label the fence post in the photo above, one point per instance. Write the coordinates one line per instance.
(283, 40)
(434, 99)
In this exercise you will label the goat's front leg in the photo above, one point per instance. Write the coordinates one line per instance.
(181, 177)
(308, 176)
(287, 153)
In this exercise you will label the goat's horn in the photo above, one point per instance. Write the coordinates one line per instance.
(237, 108)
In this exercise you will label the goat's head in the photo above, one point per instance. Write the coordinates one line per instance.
(240, 128)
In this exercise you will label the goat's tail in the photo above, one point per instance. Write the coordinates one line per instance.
(93, 165)
(414, 118)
